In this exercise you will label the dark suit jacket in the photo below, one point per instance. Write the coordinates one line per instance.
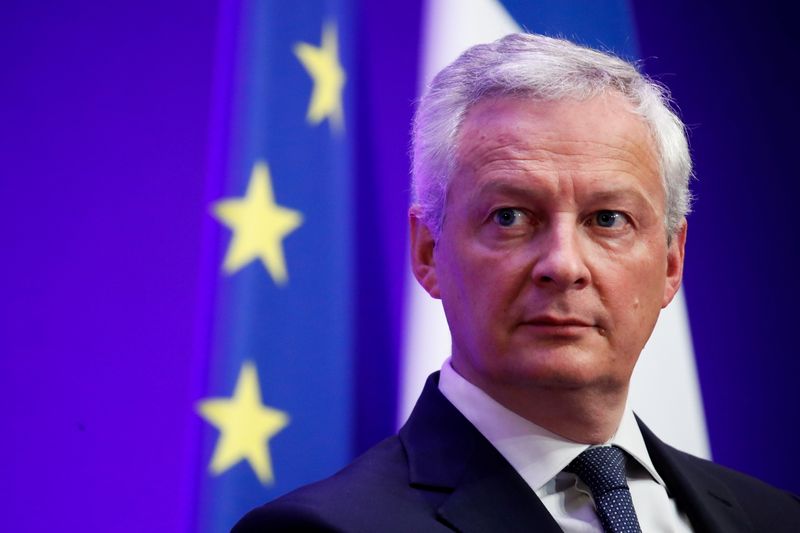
(441, 474)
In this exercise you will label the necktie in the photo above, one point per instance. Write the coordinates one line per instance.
(602, 469)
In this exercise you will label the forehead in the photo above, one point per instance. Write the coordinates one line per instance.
(600, 141)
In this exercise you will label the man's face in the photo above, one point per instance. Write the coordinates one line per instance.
(552, 263)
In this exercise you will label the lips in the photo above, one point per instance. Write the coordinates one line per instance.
(554, 321)
(566, 328)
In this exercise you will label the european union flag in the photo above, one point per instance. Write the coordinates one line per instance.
(276, 318)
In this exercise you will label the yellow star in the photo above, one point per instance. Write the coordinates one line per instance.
(322, 64)
(259, 226)
(245, 426)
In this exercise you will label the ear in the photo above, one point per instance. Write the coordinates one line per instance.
(675, 255)
(422, 261)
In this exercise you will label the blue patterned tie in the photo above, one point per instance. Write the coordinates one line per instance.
(602, 469)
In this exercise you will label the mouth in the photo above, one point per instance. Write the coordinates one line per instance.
(558, 326)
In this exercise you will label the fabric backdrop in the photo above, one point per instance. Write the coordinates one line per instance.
(205, 296)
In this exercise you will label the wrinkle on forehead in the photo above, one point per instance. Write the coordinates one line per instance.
(483, 136)
(571, 156)
(602, 137)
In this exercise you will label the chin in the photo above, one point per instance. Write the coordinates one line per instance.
(565, 367)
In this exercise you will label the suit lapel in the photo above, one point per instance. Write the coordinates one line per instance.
(493, 497)
(707, 502)
(471, 486)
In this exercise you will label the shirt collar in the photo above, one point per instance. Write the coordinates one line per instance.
(629, 438)
(537, 454)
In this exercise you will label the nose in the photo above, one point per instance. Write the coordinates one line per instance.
(560, 261)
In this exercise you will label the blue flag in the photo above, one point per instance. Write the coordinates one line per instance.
(276, 401)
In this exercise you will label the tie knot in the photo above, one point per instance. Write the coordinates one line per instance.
(601, 468)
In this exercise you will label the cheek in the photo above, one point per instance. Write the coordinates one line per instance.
(458, 291)
(638, 271)
(629, 281)
(634, 301)
(479, 291)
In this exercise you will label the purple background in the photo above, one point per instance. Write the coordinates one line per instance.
(104, 110)
(103, 151)
(734, 74)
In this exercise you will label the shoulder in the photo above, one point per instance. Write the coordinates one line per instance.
(765, 507)
(372, 492)
(745, 487)
(718, 498)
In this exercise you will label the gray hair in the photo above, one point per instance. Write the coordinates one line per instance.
(541, 68)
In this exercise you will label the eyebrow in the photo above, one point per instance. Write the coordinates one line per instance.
(612, 193)
(506, 188)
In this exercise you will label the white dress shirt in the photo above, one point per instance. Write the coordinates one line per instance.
(540, 457)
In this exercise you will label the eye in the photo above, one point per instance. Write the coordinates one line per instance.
(609, 219)
(507, 216)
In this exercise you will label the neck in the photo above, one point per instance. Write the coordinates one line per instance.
(589, 414)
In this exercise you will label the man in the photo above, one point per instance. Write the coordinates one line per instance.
(551, 189)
